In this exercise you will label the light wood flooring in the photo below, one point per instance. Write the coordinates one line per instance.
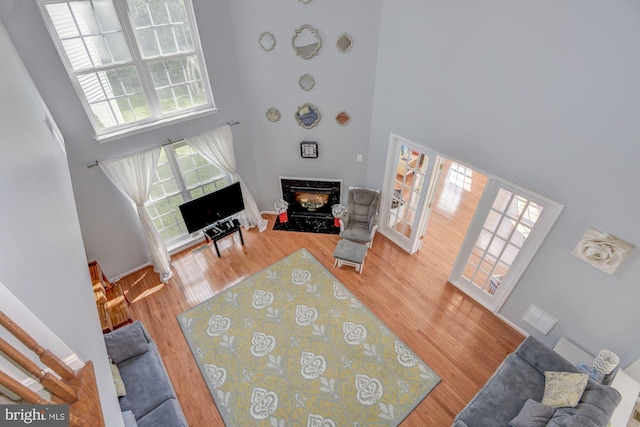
(459, 339)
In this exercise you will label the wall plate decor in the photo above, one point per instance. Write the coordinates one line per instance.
(308, 115)
(306, 82)
(344, 43)
(306, 42)
(267, 41)
(343, 118)
(273, 114)
(602, 250)
(309, 150)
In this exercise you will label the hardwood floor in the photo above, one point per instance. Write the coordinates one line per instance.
(460, 340)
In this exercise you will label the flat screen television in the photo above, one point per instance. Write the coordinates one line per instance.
(211, 208)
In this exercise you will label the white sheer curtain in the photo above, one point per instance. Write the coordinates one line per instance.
(133, 176)
(217, 147)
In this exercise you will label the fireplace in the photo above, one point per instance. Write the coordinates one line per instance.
(310, 202)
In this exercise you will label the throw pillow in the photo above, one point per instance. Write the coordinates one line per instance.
(117, 380)
(563, 389)
(532, 414)
(126, 342)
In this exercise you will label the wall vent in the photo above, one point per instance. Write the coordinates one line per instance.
(540, 320)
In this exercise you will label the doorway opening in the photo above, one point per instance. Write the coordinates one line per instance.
(480, 230)
(454, 203)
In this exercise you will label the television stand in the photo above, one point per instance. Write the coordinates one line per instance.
(222, 229)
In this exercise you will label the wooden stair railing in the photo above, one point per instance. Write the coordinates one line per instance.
(22, 390)
(48, 358)
(50, 382)
(78, 388)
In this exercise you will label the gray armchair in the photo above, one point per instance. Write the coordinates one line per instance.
(360, 222)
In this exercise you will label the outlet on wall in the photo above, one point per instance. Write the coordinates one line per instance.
(359, 158)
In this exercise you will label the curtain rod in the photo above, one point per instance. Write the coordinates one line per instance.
(182, 139)
(96, 163)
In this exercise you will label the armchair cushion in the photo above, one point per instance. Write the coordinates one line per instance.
(357, 232)
(361, 219)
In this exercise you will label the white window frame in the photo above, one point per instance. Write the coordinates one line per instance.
(183, 190)
(157, 119)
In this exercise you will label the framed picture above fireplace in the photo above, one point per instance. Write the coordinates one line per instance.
(309, 150)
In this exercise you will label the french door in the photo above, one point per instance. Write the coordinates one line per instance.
(509, 225)
(410, 179)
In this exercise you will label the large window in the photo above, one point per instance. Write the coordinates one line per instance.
(182, 175)
(133, 63)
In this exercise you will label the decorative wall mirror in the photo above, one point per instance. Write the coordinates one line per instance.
(309, 150)
(267, 41)
(306, 82)
(307, 115)
(343, 118)
(273, 114)
(344, 43)
(306, 42)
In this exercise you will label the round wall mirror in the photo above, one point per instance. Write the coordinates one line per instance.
(306, 42)
(306, 82)
(273, 114)
(267, 41)
(343, 118)
(344, 43)
(307, 115)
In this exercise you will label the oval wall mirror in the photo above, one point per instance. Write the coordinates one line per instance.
(344, 43)
(343, 118)
(273, 114)
(267, 41)
(306, 82)
(306, 42)
(307, 115)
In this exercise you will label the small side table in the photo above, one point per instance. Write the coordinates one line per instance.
(624, 383)
(350, 253)
(222, 230)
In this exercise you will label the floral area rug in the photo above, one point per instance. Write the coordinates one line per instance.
(291, 346)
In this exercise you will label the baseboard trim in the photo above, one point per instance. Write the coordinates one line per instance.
(126, 273)
(181, 247)
(513, 325)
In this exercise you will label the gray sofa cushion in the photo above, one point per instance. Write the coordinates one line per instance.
(521, 377)
(169, 414)
(543, 358)
(126, 342)
(532, 414)
(147, 383)
(595, 408)
(504, 394)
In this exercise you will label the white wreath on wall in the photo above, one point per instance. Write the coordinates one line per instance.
(602, 250)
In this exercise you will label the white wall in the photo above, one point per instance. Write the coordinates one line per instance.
(246, 81)
(343, 81)
(543, 94)
(43, 263)
(110, 227)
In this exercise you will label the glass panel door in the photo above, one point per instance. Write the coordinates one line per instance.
(509, 222)
(408, 183)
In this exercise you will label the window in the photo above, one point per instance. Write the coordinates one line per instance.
(133, 63)
(460, 176)
(182, 175)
